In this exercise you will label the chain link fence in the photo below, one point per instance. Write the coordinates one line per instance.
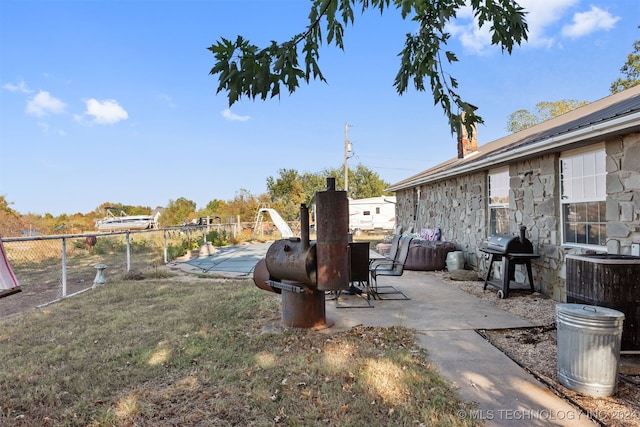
(49, 268)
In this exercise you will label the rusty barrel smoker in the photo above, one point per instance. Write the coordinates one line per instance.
(301, 270)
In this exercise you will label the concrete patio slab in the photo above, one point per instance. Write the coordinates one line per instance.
(446, 319)
(433, 306)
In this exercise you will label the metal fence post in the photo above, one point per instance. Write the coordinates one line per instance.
(64, 267)
(128, 252)
(164, 236)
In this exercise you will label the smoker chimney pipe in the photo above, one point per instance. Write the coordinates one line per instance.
(331, 184)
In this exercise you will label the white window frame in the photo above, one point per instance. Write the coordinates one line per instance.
(583, 194)
(498, 182)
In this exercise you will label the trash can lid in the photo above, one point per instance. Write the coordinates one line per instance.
(589, 311)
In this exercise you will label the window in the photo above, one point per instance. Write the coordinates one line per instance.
(583, 197)
(499, 201)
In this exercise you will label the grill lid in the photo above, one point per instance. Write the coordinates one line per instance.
(508, 243)
(499, 242)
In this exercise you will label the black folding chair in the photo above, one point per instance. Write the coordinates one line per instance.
(394, 267)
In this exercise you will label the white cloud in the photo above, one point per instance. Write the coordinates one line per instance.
(20, 87)
(473, 39)
(105, 112)
(227, 114)
(543, 18)
(588, 22)
(542, 14)
(43, 103)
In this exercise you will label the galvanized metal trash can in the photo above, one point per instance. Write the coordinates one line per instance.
(589, 348)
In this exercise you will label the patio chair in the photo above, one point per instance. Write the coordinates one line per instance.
(393, 252)
(391, 268)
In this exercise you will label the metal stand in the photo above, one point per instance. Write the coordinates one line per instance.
(509, 262)
(302, 307)
(358, 274)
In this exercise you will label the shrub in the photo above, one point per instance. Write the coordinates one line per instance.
(218, 238)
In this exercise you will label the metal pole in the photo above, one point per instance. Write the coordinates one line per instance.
(64, 267)
(164, 237)
(128, 253)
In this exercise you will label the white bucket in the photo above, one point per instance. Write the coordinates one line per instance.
(455, 260)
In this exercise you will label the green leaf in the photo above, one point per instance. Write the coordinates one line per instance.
(451, 57)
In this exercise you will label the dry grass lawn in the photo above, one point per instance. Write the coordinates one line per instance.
(207, 352)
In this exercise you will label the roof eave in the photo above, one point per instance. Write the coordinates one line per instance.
(625, 124)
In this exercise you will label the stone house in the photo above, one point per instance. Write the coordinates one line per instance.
(572, 181)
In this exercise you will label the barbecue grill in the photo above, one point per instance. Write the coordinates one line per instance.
(511, 250)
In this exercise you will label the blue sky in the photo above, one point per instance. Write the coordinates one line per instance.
(112, 101)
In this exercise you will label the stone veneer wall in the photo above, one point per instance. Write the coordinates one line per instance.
(458, 206)
(623, 193)
(533, 202)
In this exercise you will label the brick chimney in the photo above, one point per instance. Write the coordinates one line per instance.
(467, 145)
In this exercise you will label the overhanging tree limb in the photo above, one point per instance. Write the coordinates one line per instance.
(245, 70)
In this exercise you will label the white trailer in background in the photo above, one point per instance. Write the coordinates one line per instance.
(375, 214)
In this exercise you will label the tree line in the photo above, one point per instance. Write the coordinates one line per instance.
(285, 193)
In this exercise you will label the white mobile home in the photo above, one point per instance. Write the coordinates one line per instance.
(372, 214)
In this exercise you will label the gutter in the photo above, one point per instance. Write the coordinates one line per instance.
(613, 126)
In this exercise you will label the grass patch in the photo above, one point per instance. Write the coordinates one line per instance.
(166, 352)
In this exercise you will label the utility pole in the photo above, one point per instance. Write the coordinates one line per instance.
(347, 150)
